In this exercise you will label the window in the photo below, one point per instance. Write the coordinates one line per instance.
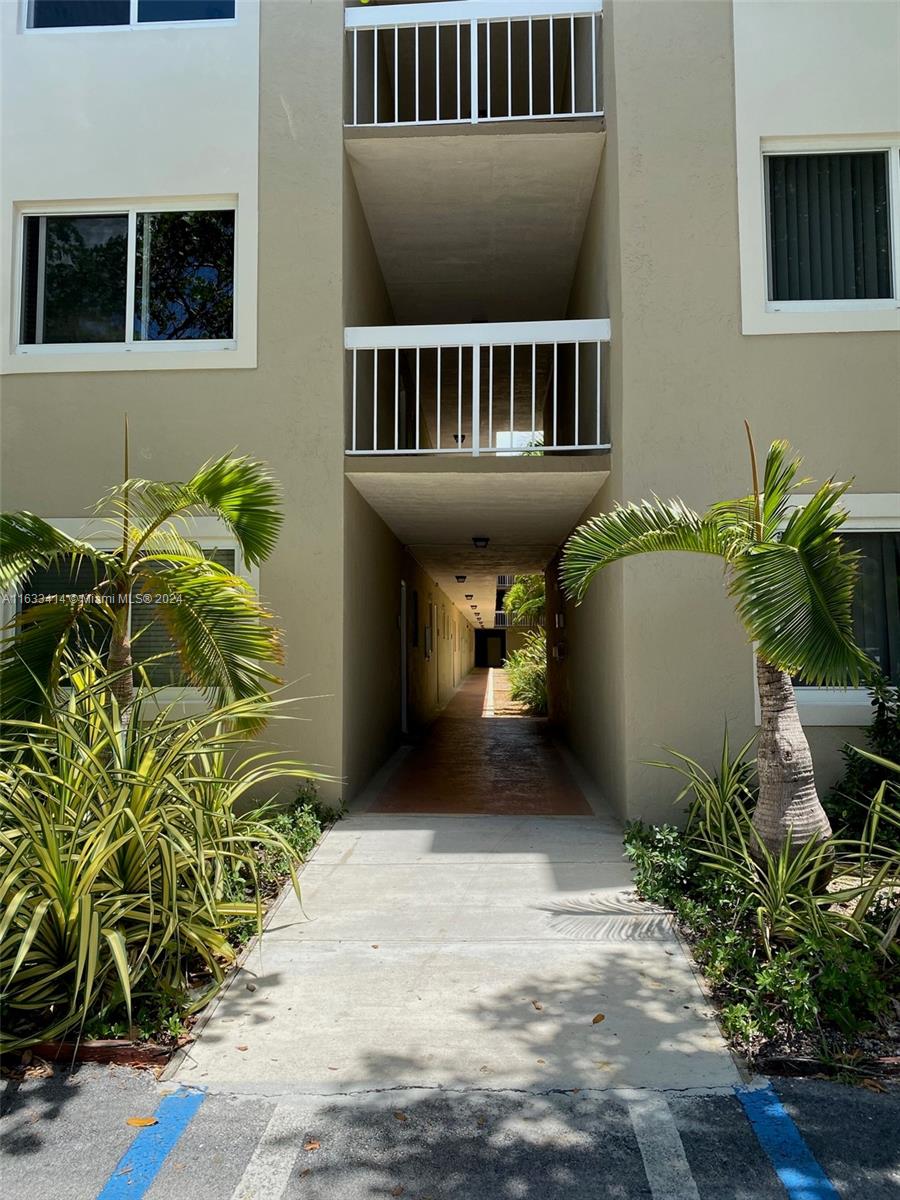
(75, 270)
(831, 234)
(150, 638)
(82, 14)
(873, 530)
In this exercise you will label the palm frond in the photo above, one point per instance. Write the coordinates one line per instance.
(645, 528)
(779, 482)
(795, 595)
(28, 543)
(224, 635)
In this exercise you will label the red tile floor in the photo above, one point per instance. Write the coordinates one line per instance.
(483, 755)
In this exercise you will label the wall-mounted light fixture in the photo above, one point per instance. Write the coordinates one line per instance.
(459, 438)
(469, 595)
(480, 543)
(473, 606)
(461, 579)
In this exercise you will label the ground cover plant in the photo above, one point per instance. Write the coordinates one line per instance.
(527, 672)
(133, 858)
(803, 971)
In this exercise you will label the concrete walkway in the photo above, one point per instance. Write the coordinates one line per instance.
(468, 953)
(483, 754)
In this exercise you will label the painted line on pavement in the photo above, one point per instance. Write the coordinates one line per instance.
(798, 1170)
(140, 1164)
(268, 1171)
(665, 1163)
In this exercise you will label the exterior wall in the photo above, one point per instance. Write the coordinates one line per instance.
(848, 88)
(62, 438)
(132, 114)
(656, 655)
(432, 679)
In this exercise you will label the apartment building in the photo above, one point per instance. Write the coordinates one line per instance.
(464, 272)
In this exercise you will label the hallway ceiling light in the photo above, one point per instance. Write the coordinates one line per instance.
(480, 543)
(461, 579)
(470, 595)
(473, 606)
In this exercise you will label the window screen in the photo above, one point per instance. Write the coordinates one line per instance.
(829, 227)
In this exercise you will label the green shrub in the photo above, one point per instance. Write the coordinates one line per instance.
(527, 671)
(849, 801)
(119, 852)
(781, 953)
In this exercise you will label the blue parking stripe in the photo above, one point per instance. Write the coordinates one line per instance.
(140, 1164)
(801, 1175)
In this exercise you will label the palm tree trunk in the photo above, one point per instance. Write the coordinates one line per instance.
(119, 661)
(788, 807)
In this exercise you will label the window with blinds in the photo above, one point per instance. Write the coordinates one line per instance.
(829, 226)
(151, 644)
(876, 602)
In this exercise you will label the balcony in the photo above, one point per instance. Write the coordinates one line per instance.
(471, 61)
(509, 389)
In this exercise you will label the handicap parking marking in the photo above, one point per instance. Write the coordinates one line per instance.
(141, 1162)
(792, 1159)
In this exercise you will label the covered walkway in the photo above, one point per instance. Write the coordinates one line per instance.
(483, 755)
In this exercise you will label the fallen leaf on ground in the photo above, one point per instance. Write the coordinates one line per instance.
(873, 1085)
(141, 1122)
(375, 945)
(540, 1060)
(241, 1047)
(311, 1145)
(599, 1017)
(400, 1116)
(537, 1004)
(398, 1190)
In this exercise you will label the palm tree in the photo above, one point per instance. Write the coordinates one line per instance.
(526, 600)
(224, 636)
(792, 581)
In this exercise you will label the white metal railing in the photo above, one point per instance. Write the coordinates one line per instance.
(510, 388)
(465, 61)
(505, 620)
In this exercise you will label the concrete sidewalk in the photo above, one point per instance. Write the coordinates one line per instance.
(463, 952)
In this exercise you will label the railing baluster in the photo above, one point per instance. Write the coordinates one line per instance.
(577, 394)
(512, 391)
(487, 50)
(353, 443)
(491, 395)
(533, 388)
(375, 73)
(438, 397)
(355, 76)
(552, 68)
(396, 75)
(473, 72)
(476, 401)
(458, 71)
(555, 389)
(375, 402)
(572, 58)
(593, 36)
(396, 397)
(509, 112)
(437, 72)
(459, 375)
(417, 73)
(418, 397)
(599, 413)
(530, 70)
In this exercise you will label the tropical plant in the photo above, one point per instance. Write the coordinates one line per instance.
(848, 802)
(117, 847)
(792, 581)
(526, 601)
(224, 637)
(526, 669)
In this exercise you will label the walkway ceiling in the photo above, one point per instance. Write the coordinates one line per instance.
(478, 224)
(526, 514)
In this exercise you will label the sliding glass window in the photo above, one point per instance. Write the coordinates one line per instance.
(75, 277)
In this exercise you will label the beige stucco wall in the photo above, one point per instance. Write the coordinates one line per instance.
(433, 679)
(656, 655)
(61, 433)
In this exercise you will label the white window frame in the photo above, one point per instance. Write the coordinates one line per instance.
(210, 534)
(27, 9)
(759, 314)
(131, 210)
(872, 512)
